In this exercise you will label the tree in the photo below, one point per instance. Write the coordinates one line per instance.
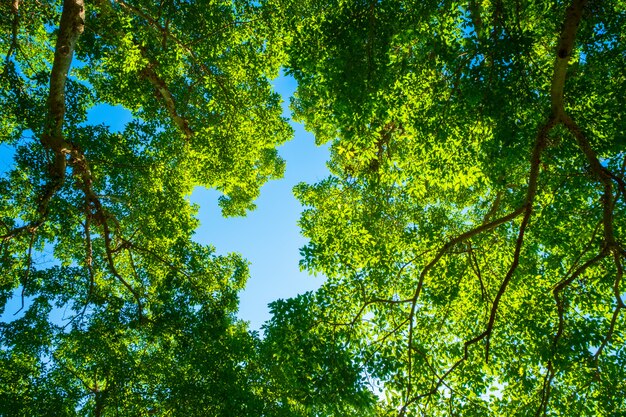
(310, 369)
(471, 233)
(149, 322)
(473, 229)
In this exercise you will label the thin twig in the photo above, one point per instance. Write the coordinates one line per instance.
(29, 258)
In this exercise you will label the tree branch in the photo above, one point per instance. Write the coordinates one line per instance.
(573, 16)
(601, 173)
(15, 25)
(168, 99)
(546, 389)
(451, 243)
(149, 71)
(29, 262)
(564, 50)
(540, 144)
(192, 55)
(618, 300)
(564, 284)
(70, 28)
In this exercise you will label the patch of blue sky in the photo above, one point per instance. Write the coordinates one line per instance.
(267, 237)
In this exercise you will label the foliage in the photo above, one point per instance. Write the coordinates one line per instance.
(310, 368)
(472, 231)
(127, 315)
(186, 360)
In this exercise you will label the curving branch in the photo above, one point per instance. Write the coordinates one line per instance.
(611, 246)
(565, 47)
(545, 390)
(71, 26)
(15, 26)
(473, 261)
(602, 174)
(168, 99)
(619, 301)
(573, 16)
(149, 72)
(563, 284)
(193, 56)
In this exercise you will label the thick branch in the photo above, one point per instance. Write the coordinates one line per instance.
(150, 74)
(601, 173)
(71, 27)
(192, 55)
(168, 99)
(564, 50)
(15, 25)
(573, 17)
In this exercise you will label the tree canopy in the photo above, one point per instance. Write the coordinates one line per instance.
(471, 233)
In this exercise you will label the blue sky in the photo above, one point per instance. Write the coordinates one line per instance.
(268, 237)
